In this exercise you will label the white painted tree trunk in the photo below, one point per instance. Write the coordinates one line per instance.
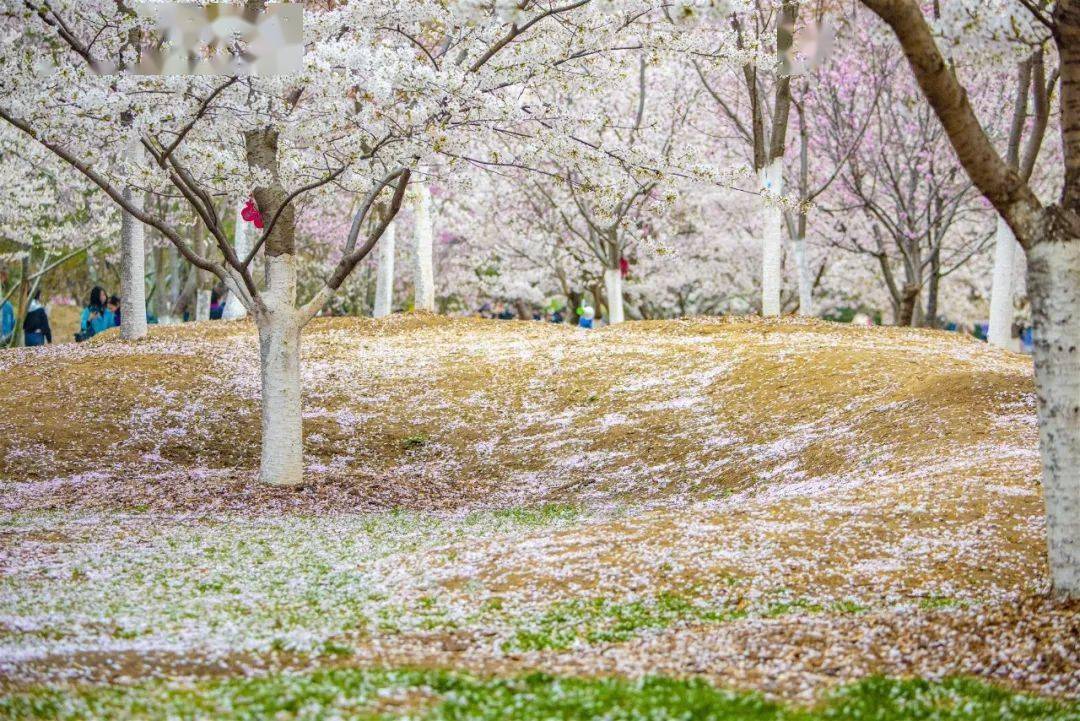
(234, 307)
(613, 288)
(132, 271)
(772, 218)
(384, 281)
(1054, 288)
(202, 304)
(1001, 292)
(806, 280)
(279, 324)
(424, 281)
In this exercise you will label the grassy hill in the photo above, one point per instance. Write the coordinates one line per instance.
(773, 506)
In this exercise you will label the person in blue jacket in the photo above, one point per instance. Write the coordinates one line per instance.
(588, 316)
(96, 316)
(7, 322)
(7, 312)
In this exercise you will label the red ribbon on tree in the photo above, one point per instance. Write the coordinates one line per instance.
(624, 267)
(251, 214)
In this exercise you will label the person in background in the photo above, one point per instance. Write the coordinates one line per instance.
(96, 317)
(588, 314)
(7, 312)
(114, 307)
(36, 328)
(217, 304)
(1027, 340)
(7, 322)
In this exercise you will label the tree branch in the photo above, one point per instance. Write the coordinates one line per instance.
(1001, 185)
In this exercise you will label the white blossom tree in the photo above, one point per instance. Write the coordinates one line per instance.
(51, 215)
(1049, 233)
(385, 87)
(764, 32)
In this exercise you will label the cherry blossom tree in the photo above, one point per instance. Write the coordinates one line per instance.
(1030, 117)
(760, 116)
(51, 216)
(1049, 233)
(385, 87)
(912, 197)
(834, 98)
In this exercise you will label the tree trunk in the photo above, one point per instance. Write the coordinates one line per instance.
(384, 281)
(613, 291)
(22, 303)
(933, 290)
(185, 302)
(279, 323)
(202, 277)
(1001, 292)
(92, 269)
(202, 304)
(424, 282)
(806, 279)
(772, 218)
(282, 459)
(132, 272)
(908, 304)
(599, 306)
(234, 307)
(160, 302)
(1054, 289)
(573, 302)
(177, 283)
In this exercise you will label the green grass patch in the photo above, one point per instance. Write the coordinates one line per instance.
(417, 440)
(784, 608)
(599, 620)
(442, 696)
(953, 699)
(566, 624)
(524, 517)
(931, 603)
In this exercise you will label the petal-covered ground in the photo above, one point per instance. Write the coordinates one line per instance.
(783, 507)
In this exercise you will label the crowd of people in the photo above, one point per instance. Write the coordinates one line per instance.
(586, 314)
(103, 312)
(99, 314)
(36, 330)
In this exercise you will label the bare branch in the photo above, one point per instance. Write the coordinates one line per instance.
(1001, 185)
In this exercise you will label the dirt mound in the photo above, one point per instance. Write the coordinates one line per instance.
(429, 412)
(779, 505)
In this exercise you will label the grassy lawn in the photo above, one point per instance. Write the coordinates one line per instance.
(355, 694)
